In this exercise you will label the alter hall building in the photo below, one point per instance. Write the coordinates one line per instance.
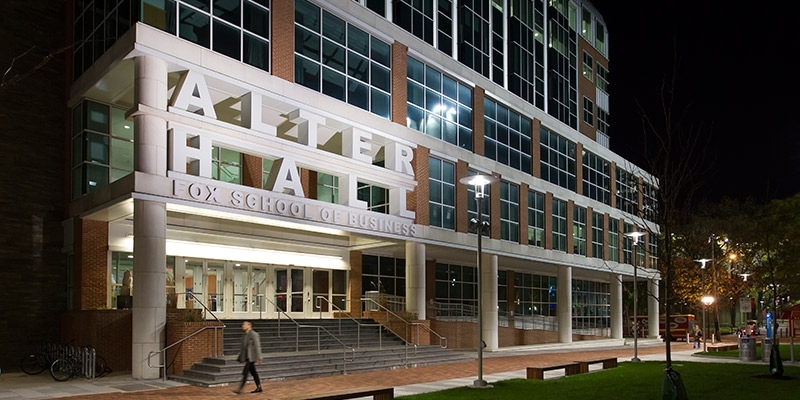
(298, 156)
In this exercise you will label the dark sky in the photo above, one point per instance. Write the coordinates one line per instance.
(736, 80)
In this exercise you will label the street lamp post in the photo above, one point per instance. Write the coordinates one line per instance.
(479, 182)
(635, 236)
(703, 262)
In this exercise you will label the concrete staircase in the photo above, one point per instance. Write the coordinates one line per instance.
(295, 353)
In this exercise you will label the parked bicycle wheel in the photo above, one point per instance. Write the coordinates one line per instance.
(62, 369)
(33, 364)
(100, 367)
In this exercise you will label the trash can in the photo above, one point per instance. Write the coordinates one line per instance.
(747, 349)
(766, 348)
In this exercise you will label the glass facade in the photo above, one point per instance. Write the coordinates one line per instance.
(535, 219)
(442, 196)
(596, 178)
(456, 284)
(591, 305)
(340, 60)
(627, 191)
(507, 136)
(438, 105)
(474, 35)
(526, 51)
(613, 239)
(558, 159)
(559, 225)
(383, 274)
(509, 211)
(579, 231)
(535, 295)
(562, 63)
(377, 197)
(102, 146)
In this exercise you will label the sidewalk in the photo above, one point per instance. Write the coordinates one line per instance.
(505, 364)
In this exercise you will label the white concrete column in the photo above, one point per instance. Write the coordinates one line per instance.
(652, 309)
(564, 304)
(415, 278)
(617, 329)
(149, 285)
(489, 300)
(150, 132)
(149, 219)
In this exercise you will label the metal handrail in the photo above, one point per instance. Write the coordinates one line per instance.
(318, 305)
(408, 325)
(319, 327)
(163, 351)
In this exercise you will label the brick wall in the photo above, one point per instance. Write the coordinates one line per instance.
(464, 335)
(283, 39)
(91, 264)
(32, 124)
(108, 331)
(193, 349)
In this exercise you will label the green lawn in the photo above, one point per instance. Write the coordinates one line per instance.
(641, 381)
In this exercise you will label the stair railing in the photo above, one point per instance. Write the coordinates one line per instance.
(407, 324)
(318, 306)
(162, 352)
(319, 328)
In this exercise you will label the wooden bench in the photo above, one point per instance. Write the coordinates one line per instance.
(610, 362)
(538, 372)
(377, 393)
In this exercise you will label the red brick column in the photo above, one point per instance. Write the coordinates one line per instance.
(418, 199)
(91, 264)
(399, 83)
(283, 39)
(354, 289)
(252, 170)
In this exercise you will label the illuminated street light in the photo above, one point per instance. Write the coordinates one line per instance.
(703, 262)
(635, 236)
(479, 182)
(707, 301)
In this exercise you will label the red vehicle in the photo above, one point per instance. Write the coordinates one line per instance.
(679, 326)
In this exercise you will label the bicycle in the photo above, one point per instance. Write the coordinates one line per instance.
(77, 361)
(36, 363)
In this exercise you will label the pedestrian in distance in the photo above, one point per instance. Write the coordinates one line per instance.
(698, 335)
(250, 355)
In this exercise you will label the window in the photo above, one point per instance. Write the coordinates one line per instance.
(226, 165)
(627, 192)
(652, 250)
(525, 41)
(579, 231)
(442, 196)
(602, 78)
(557, 159)
(535, 295)
(340, 60)
(562, 74)
(559, 225)
(588, 111)
(507, 137)
(415, 17)
(122, 262)
(383, 274)
(600, 34)
(456, 284)
(650, 202)
(97, 26)
(602, 121)
(438, 105)
(586, 25)
(613, 239)
(597, 235)
(588, 66)
(327, 188)
(102, 146)
(509, 212)
(596, 178)
(474, 44)
(377, 198)
(535, 219)
(591, 306)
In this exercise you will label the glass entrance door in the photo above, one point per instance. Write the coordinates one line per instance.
(290, 291)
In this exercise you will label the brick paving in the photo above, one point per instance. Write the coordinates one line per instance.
(493, 363)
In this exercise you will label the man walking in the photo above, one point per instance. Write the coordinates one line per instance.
(250, 355)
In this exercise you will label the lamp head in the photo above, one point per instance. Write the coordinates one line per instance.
(703, 262)
(708, 300)
(635, 236)
(479, 181)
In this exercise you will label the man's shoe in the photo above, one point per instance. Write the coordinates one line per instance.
(238, 391)
(258, 390)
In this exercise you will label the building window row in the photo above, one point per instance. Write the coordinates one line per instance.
(507, 136)
(438, 105)
(557, 159)
(591, 305)
(341, 60)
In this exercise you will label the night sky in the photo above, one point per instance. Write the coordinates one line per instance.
(735, 79)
